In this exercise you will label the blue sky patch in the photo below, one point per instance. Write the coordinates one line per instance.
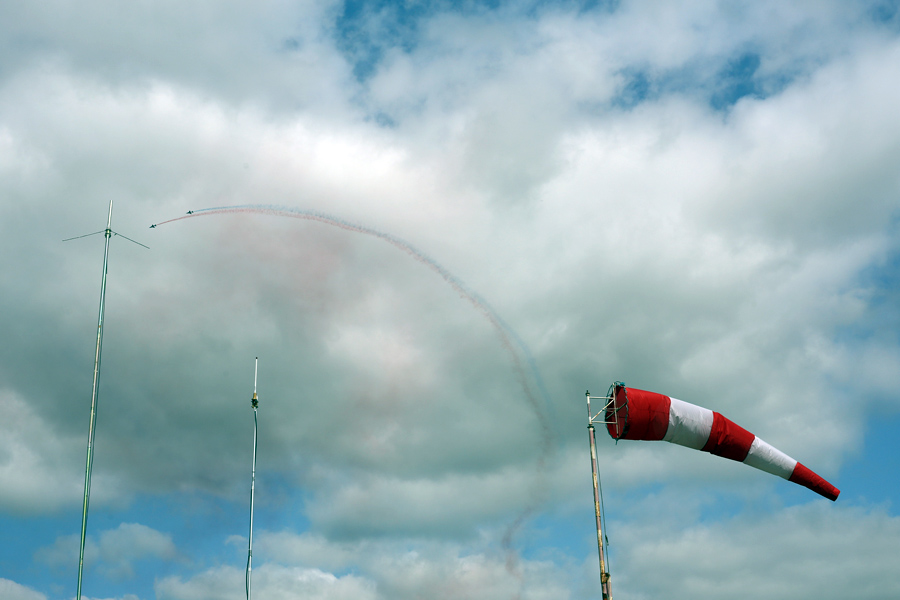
(366, 29)
(737, 80)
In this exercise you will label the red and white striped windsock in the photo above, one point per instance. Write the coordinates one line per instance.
(639, 415)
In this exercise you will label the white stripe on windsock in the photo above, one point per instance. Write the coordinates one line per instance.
(689, 424)
(766, 457)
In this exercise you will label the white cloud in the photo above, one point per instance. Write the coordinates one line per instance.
(395, 569)
(222, 583)
(269, 53)
(10, 590)
(710, 297)
(391, 506)
(115, 553)
(787, 553)
(306, 549)
(653, 550)
(269, 581)
(121, 547)
(39, 468)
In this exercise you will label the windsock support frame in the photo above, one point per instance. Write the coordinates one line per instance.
(602, 541)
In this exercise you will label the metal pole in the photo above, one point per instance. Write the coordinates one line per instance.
(254, 402)
(95, 396)
(604, 574)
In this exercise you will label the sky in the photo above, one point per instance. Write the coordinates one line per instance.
(458, 217)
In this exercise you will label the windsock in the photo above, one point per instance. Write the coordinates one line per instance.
(639, 415)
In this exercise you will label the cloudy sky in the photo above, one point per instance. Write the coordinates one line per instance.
(523, 200)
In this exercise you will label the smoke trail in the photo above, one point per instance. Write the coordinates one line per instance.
(508, 337)
(512, 343)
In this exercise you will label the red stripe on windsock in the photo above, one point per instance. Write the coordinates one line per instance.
(645, 416)
(807, 478)
(728, 439)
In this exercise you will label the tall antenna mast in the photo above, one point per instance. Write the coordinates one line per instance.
(598, 497)
(95, 393)
(254, 402)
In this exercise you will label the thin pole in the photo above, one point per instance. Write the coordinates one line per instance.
(254, 402)
(95, 396)
(604, 574)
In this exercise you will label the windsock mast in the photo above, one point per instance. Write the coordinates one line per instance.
(599, 513)
(633, 414)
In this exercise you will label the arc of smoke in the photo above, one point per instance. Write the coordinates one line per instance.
(510, 340)
(508, 336)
